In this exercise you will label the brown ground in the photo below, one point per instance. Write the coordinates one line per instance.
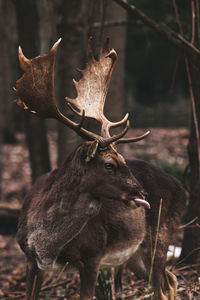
(168, 145)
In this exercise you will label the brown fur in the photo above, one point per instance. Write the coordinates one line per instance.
(158, 185)
(79, 214)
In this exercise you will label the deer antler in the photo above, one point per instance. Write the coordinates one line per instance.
(36, 93)
(36, 90)
(92, 88)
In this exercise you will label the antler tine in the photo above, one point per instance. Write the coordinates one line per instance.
(107, 141)
(24, 62)
(119, 123)
(106, 45)
(132, 140)
(75, 111)
(107, 125)
(36, 94)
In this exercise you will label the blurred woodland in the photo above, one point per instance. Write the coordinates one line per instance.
(156, 80)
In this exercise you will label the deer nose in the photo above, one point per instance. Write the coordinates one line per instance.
(144, 194)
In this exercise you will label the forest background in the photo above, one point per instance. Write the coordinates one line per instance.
(156, 80)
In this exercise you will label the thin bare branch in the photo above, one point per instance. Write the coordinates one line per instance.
(193, 17)
(51, 286)
(188, 44)
(162, 29)
(178, 18)
(187, 267)
(198, 21)
(156, 242)
(185, 258)
(189, 223)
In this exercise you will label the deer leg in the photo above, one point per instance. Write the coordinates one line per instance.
(172, 282)
(170, 293)
(118, 279)
(165, 286)
(88, 279)
(33, 281)
(164, 282)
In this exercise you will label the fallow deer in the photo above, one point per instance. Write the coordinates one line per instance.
(93, 211)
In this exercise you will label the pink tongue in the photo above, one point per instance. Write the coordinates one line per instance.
(142, 202)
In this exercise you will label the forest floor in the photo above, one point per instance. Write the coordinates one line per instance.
(163, 147)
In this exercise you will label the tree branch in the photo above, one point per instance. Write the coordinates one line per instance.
(162, 29)
(193, 17)
(198, 23)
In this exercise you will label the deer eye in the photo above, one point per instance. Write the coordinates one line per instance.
(109, 166)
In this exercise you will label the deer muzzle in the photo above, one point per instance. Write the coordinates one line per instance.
(135, 201)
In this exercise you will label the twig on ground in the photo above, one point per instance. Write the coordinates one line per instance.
(155, 245)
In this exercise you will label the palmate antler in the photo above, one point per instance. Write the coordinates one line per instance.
(36, 93)
(93, 87)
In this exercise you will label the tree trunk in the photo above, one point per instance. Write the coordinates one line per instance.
(6, 79)
(108, 12)
(71, 55)
(28, 30)
(114, 105)
(191, 243)
(7, 38)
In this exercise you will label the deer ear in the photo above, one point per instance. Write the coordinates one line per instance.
(92, 149)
